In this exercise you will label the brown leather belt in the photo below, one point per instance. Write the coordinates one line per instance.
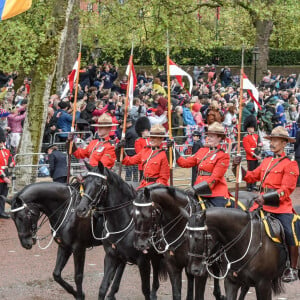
(268, 190)
(150, 179)
(204, 173)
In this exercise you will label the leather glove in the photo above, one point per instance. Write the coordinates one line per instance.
(170, 143)
(74, 147)
(260, 200)
(121, 144)
(236, 160)
(177, 154)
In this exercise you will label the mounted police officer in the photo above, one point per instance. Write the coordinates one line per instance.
(212, 163)
(101, 149)
(153, 159)
(278, 176)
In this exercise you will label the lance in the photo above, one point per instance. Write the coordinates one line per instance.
(169, 110)
(126, 108)
(237, 184)
(74, 113)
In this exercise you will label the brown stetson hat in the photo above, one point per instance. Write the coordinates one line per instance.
(216, 128)
(280, 132)
(104, 121)
(158, 130)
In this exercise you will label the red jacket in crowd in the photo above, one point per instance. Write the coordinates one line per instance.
(5, 159)
(250, 144)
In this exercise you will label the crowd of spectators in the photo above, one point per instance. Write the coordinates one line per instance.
(215, 97)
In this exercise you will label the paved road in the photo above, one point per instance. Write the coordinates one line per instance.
(27, 274)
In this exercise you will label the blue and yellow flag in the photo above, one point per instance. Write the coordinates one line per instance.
(11, 8)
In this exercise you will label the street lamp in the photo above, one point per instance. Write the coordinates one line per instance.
(255, 53)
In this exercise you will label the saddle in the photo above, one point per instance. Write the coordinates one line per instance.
(273, 227)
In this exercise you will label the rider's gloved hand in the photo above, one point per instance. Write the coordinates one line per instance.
(236, 160)
(260, 200)
(121, 144)
(170, 143)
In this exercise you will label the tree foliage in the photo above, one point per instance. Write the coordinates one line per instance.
(191, 24)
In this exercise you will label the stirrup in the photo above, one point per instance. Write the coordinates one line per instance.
(290, 275)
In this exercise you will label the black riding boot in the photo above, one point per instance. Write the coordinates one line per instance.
(291, 274)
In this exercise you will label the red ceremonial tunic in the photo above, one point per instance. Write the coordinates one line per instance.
(139, 145)
(5, 159)
(283, 178)
(250, 144)
(212, 166)
(155, 166)
(97, 151)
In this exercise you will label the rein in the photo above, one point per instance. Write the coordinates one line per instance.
(173, 222)
(216, 256)
(106, 210)
(54, 231)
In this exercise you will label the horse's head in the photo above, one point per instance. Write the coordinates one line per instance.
(146, 216)
(200, 244)
(94, 187)
(26, 219)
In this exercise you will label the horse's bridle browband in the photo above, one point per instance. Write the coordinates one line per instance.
(97, 174)
(204, 228)
(142, 204)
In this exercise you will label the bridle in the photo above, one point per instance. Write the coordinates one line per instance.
(161, 232)
(35, 228)
(29, 213)
(210, 259)
(155, 216)
(93, 203)
(206, 238)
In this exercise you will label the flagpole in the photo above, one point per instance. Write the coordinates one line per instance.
(169, 110)
(126, 108)
(237, 184)
(74, 113)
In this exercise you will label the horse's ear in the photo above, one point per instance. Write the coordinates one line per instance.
(100, 167)
(147, 193)
(88, 166)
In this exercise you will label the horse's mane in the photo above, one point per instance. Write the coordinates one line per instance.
(123, 186)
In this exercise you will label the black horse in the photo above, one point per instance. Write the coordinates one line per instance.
(160, 217)
(113, 197)
(72, 234)
(238, 239)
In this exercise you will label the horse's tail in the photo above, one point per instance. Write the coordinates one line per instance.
(162, 270)
(277, 286)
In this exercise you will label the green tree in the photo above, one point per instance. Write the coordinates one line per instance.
(43, 71)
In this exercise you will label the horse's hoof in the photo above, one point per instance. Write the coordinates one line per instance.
(111, 298)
